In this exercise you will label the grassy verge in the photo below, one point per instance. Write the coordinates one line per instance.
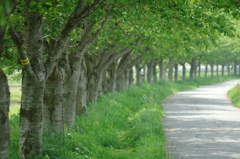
(124, 125)
(234, 95)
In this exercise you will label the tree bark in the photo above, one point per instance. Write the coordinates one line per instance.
(229, 69)
(126, 78)
(53, 101)
(199, 69)
(162, 73)
(235, 67)
(183, 71)
(175, 72)
(170, 70)
(131, 78)
(154, 68)
(31, 116)
(105, 83)
(206, 70)
(93, 84)
(113, 77)
(150, 72)
(4, 107)
(71, 88)
(138, 75)
(223, 66)
(33, 84)
(4, 119)
(144, 73)
(120, 82)
(212, 69)
(81, 99)
(193, 68)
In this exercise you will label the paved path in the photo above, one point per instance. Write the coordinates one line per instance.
(203, 124)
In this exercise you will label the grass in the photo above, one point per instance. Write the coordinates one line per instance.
(15, 98)
(234, 95)
(123, 125)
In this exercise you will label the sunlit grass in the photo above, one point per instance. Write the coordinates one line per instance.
(234, 95)
(15, 95)
(14, 110)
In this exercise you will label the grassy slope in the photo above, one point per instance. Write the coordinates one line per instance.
(234, 95)
(124, 125)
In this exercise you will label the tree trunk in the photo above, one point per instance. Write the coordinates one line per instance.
(113, 77)
(170, 70)
(235, 67)
(175, 72)
(126, 78)
(4, 119)
(229, 69)
(149, 72)
(223, 66)
(217, 70)
(81, 98)
(31, 116)
(144, 73)
(138, 75)
(93, 84)
(120, 82)
(206, 70)
(162, 72)
(53, 101)
(99, 88)
(183, 70)
(193, 68)
(131, 78)
(33, 84)
(71, 88)
(212, 69)
(154, 68)
(105, 82)
(4, 106)
(238, 69)
(199, 70)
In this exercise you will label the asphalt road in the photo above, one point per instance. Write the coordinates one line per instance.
(202, 123)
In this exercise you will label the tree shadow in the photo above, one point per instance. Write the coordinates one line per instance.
(202, 124)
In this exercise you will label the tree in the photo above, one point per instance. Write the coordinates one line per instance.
(62, 68)
(30, 44)
(5, 10)
(4, 106)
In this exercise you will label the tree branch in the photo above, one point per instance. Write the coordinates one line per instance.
(115, 56)
(82, 10)
(17, 39)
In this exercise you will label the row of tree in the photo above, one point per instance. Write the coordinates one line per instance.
(70, 52)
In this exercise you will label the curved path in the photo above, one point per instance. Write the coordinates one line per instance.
(202, 123)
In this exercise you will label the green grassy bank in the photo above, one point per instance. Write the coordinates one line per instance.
(234, 95)
(124, 125)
